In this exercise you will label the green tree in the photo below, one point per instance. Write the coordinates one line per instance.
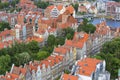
(76, 5)
(33, 47)
(86, 27)
(85, 21)
(110, 52)
(4, 25)
(42, 4)
(4, 63)
(22, 58)
(42, 55)
(117, 0)
(59, 41)
(67, 71)
(68, 33)
(51, 40)
(69, 36)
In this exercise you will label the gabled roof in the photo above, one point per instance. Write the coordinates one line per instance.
(87, 66)
(70, 9)
(59, 7)
(34, 38)
(78, 40)
(61, 50)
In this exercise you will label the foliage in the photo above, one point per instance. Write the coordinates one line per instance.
(58, 78)
(86, 27)
(59, 41)
(42, 4)
(22, 58)
(117, 0)
(51, 40)
(110, 52)
(19, 53)
(4, 25)
(42, 55)
(4, 63)
(76, 5)
(81, 13)
(33, 47)
(8, 4)
(67, 71)
(68, 33)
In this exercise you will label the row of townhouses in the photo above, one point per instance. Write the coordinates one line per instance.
(63, 58)
(34, 25)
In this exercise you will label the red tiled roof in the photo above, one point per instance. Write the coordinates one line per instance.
(71, 9)
(77, 41)
(60, 7)
(87, 66)
(29, 39)
(68, 77)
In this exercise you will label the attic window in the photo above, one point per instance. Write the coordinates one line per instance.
(83, 71)
(85, 64)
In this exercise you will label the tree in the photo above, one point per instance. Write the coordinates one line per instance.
(110, 52)
(117, 0)
(51, 40)
(86, 27)
(59, 40)
(42, 4)
(42, 55)
(33, 47)
(22, 58)
(69, 36)
(85, 21)
(68, 33)
(4, 25)
(4, 63)
(76, 5)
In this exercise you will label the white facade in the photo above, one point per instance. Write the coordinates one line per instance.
(82, 77)
(93, 11)
(54, 12)
(17, 33)
(101, 5)
(62, 10)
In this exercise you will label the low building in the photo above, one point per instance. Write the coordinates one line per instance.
(82, 9)
(101, 5)
(78, 44)
(100, 36)
(54, 11)
(90, 69)
(38, 39)
(93, 10)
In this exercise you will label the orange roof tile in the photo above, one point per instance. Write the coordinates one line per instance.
(71, 9)
(87, 66)
(50, 7)
(61, 50)
(69, 77)
(77, 41)
(34, 38)
(60, 7)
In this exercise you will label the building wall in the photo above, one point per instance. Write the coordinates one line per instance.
(54, 13)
